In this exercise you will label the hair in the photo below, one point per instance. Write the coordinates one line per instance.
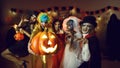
(89, 19)
(70, 21)
(56, 20)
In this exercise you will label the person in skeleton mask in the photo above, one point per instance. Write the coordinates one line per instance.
(76, 48)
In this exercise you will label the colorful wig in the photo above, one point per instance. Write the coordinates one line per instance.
(44, 18)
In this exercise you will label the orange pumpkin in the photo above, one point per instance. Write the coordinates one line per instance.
(34, 44)
(19, 36)
(44, 43)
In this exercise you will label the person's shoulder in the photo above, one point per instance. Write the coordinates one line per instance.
(93, 37)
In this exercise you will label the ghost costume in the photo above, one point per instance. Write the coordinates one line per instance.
(75, 57)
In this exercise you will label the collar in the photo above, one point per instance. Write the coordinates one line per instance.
(89, 35)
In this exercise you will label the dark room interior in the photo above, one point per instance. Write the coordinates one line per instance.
(12, 10)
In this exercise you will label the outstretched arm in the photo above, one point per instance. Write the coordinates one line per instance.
(25, 32)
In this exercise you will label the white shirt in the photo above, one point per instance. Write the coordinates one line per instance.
(74, 58)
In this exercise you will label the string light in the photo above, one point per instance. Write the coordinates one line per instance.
(71, 9)
(99, 18)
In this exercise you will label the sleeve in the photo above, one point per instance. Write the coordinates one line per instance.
(35, 31)
(85, 52)
(10, 37)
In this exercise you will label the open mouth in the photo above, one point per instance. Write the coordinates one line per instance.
(50, 49)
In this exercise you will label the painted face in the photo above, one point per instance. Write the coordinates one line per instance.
(86, 28)
(70, 25)
(57, 25)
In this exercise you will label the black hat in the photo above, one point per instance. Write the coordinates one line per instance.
(89, 19)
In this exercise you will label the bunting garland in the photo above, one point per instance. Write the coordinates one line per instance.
(78, 10)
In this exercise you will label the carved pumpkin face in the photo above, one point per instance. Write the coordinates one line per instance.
(48, 42)
(19, 36)
(44, 43)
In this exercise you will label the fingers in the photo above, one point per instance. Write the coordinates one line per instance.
(23, 19)
(21, 30)
(83, 42)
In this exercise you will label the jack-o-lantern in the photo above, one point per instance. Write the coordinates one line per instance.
(44, 43)
(19, 36)
(34, 43)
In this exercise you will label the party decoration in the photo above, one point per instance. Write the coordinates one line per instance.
(44, 43)
(54, 14)
(71, 9)
(63, 8)
(56, 8)
(48, 43)
(35, 44)
(19, 36)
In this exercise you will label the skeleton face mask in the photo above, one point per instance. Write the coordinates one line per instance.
(70, 25)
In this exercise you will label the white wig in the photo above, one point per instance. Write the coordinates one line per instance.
(75, 24)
